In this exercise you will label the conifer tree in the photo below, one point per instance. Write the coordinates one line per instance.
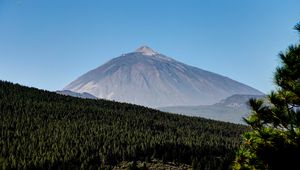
(274, 139)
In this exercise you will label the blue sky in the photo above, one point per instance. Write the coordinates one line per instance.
(49, 43)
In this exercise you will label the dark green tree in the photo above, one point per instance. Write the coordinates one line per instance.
(274, 141)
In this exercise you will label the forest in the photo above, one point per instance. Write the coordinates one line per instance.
(44, 130)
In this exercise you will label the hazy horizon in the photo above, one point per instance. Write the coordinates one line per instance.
(47, 44)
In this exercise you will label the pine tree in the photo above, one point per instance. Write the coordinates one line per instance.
(274, 141)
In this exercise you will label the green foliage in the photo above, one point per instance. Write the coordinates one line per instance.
(274, 142)
(44, 130)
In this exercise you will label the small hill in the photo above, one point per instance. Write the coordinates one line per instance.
(46, 130)
(231, 109)
(83, 95)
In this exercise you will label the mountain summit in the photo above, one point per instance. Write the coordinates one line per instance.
(156, 81)
(146, 50)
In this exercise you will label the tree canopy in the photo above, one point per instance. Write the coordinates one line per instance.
(274, 142)
(44, 130)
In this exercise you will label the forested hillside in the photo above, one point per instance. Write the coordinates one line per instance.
(45, 130)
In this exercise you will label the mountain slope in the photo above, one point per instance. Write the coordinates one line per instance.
(231, 109)
(45, 130)
(148, 78)
(83, 95)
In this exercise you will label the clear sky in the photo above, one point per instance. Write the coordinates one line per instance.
(49, 43)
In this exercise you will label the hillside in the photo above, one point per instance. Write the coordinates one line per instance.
(146, 77)
(45, 130)
(232, 109)
(83, 95)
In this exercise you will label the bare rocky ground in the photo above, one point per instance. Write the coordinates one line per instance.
(153, 165)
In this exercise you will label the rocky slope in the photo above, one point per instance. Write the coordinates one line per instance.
(148, 78)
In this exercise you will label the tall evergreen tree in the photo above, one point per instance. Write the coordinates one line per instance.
(274, 142)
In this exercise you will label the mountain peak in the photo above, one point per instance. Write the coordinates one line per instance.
(151, 79)
(146, 50)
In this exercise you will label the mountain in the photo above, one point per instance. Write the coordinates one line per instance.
(83, 95)
(146, 77)
(45, 130)
(231, 109)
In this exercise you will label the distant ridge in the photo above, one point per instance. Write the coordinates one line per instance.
(146, 77)
(231, 109)
(83, 95)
